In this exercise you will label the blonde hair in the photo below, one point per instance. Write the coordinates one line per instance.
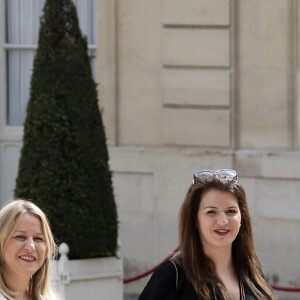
(40, 284)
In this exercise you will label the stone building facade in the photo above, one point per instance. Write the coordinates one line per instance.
(199, 84)
(205, 85)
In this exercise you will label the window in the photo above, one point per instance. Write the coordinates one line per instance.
(22, 28)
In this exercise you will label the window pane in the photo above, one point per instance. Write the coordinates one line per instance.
(23, 21)
(92, 53)
(87, 24)
(19, 65)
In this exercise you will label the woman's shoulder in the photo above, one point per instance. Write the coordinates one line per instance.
(167, 266)
(171, 268)
(162, 283)
(166, 272)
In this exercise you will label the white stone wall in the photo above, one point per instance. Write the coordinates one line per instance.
(207, 84)
(265, 79)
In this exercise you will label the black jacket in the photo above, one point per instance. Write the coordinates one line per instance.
(162, 285)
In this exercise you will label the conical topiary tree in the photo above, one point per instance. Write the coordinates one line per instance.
(63, 166)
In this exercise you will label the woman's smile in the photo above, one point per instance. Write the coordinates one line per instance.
(28, 258)
(222, 232)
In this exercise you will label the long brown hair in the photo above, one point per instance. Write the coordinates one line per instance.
(199, 269)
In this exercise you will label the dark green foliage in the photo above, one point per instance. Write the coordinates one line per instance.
(64, 160)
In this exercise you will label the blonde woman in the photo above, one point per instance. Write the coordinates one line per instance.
(26, 250)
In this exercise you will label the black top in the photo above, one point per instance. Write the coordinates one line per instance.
(162, 285)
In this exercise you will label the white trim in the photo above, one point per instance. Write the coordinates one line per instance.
(31, 47)
(10, 133)
(19, 46)
(2, 69)
(92, 47)
(107, 67)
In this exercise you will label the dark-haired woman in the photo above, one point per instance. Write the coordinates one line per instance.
(216, 258)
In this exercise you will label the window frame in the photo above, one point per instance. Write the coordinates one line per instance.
(15, 132)
(6, 132)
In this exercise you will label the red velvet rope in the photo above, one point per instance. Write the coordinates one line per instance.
(127, 280)
(285, 289)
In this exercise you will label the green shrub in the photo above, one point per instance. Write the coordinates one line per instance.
(63, 166)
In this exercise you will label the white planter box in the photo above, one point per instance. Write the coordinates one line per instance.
(89, 279)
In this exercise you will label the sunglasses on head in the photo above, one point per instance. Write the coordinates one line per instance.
(209, 173)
